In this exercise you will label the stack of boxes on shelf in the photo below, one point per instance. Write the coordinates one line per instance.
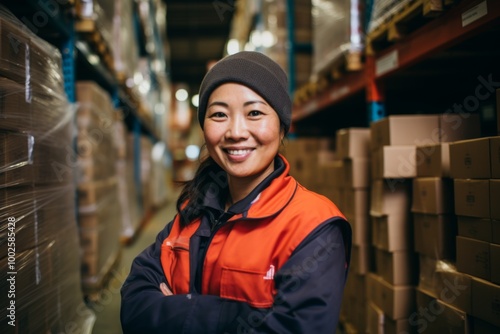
(425, 253)
(338, 34)
(390, 287)
(275, 23)
(475, 168)
(352, 164)
(435, 228)
(39, 262)
(99, 210)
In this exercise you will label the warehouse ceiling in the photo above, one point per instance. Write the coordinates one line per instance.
(197, 31)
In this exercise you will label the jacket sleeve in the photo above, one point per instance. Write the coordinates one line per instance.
(144, 308)
(309, 286)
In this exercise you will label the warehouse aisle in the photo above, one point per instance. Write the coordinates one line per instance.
(108, 309)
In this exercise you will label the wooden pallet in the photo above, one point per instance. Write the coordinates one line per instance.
(415, 13)
(348, 62)
(88, 29)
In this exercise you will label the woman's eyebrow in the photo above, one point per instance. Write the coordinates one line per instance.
(218, 103)
(253, 102)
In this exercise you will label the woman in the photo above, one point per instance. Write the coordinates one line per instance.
(250, 249)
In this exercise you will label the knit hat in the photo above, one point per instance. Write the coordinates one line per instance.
(256, 71)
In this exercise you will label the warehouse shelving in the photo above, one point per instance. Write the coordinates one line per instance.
(427, 42)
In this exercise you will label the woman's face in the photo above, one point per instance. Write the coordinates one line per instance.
(242, 132)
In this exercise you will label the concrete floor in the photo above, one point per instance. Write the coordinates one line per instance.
(107, 310)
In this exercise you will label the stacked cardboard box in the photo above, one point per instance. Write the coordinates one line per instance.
(353, 154)
(37, 193)
(390, 288)
(498, 111)
(303, 155)
(435, 227)
(475, 167)
(99, 212)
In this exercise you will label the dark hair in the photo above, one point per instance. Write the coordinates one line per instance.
(209, 178)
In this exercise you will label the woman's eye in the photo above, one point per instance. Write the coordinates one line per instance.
(255, 113)
(218, 115)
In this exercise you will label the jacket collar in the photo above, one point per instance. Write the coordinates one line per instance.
(267, 199)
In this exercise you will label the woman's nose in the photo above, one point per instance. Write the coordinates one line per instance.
(238, 128)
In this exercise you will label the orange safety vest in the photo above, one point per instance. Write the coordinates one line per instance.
(246, 251)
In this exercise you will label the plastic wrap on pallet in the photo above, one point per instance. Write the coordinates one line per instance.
(47, 263)
(37, 193)
(99, 219)
(102, 13)
(96, 133)
(337, 31)
(124, 47)
(382, 10)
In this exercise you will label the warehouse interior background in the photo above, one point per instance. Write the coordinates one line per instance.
(396, 119)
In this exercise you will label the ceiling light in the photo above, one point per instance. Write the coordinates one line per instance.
(195, 100)
(181, 95)
(233, 46)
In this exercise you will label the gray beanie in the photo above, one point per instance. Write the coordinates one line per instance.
(256, 71)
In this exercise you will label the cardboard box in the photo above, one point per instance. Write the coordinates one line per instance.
(392, 232)
(379, 323)
(437, 317)
(432, 195)
(440, 279)
(360, 259)
(433, 160)
(498, 111)
(360, 226)
(456, 127)
(91, 193)
(357, 203)
(397, 302)
(394, 162)
(353, 143)
(396, 268)
(475, 228)
(354, 301)
(472, 198)
(35, 289)
(475, 158)
(495, 199)
(495, 263)
(495, 235)
(495, 157)
(15, 111)
(434, 235)
(473, 257)
(14, 46)
(486, 301)
(405, 130)
(484, 327)
(390, 197)
(357, 173)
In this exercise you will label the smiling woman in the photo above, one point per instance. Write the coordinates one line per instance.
(250, 248)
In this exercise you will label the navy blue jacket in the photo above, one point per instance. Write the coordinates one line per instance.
(309, 286)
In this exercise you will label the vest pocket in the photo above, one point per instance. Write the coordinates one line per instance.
(175, 263)
(253, 288)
